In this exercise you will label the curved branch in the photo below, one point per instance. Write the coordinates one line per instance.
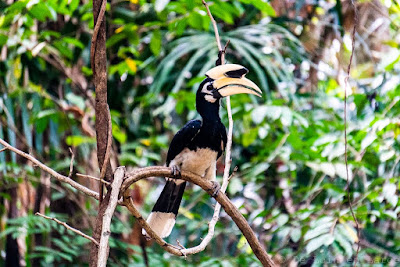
(220, 197)
(147, 172)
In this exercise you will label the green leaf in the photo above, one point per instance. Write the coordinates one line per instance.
(386, 155)
(282, 219)
(389, 192)
(343, 241)
(63, 49)
(42, 11)
(195, 20)
(3, 39)
(316, 243)
(368, 140)
(74, 42)
(220, 11)
(159, 5)
(77, 140)
(391, 65)
(118, 133)
(46, 113)
(391, 214)
(76, 100)
(249, 137)
(295, 234)
(263, 6)
(317, 231)
(326, 138)
(155, 42)
(17, 7)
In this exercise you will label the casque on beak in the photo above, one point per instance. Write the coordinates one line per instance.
(229, 80)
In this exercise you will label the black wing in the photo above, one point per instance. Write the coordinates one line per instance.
(182, 138)
(224, 141)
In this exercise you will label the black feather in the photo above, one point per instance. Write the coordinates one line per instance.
(182, 138)
(170, 198)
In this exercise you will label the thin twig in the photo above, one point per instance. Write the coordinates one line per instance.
(50, 171)
(69, 227)
(215, 29)
(107, 216)
(182, 247)
(345, 131)
(211, 226)
(333, 226)
(93, 177)
(71, 165)
(225, 47)
(233, 173)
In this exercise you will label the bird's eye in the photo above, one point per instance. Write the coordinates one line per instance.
(210, 87)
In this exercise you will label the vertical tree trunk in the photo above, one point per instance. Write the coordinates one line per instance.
(102, 116)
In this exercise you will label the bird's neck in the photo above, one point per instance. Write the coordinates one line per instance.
(209, 112)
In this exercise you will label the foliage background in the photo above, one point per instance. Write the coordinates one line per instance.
(289, 145)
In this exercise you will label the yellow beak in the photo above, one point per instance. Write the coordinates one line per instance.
(229, 80)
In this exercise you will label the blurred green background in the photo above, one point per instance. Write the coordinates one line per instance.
(288, 146)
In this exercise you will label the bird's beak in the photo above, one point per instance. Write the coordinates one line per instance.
(229, 80)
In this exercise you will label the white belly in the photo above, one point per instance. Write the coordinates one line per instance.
(201, 162)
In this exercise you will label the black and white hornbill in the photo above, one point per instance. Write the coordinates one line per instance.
(197, 146)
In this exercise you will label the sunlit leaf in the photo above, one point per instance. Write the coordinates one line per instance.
(76, 140)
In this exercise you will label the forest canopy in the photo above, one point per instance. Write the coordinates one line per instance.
(289, 146)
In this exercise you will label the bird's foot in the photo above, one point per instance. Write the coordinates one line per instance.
(215, 188)
(176, 172)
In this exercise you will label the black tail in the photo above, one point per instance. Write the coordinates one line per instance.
(162, 217)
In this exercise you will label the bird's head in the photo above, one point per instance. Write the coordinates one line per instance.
(226, 80)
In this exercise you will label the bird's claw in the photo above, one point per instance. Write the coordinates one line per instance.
(176, 172)
(215, 188)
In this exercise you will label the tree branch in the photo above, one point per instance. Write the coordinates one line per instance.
(220, 197)
(71, 164)
(147, 172)
(68, 227)
(128, 202)
(107, 216)
(50, 171)
(92, 177)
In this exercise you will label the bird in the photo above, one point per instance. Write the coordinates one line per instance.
(196, 147)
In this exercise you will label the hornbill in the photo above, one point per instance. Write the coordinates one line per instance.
(197, 146)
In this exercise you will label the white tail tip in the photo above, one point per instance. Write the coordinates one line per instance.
(161, 222)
